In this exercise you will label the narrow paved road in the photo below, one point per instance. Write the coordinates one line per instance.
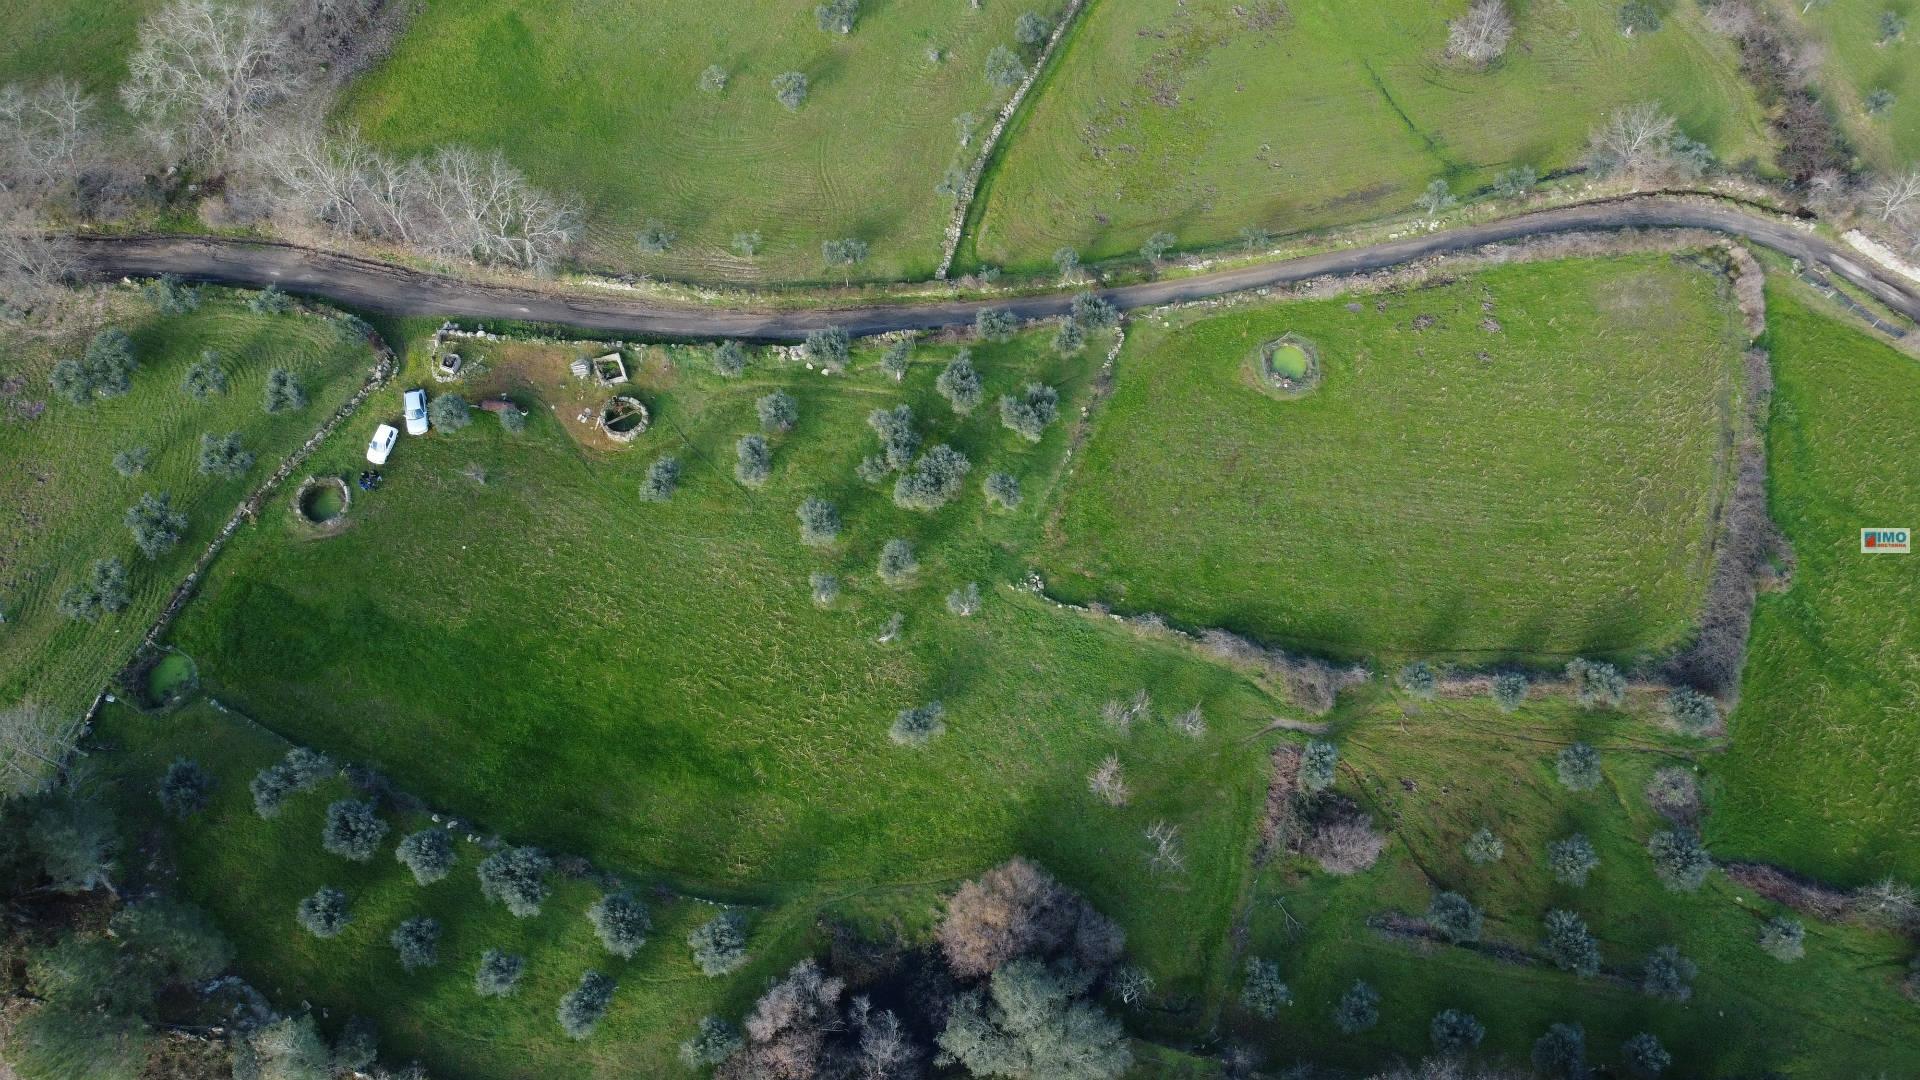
(396, 290)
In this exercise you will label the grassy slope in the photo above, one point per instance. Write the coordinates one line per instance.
(649, 685)
(1549, 499)
(65, 502)
(1820, 774)
(598, 97)
(1835, 1013)
(1341, 114)
(85, 40)
(1857, 67)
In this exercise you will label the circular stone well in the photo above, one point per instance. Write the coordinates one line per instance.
(623, 418)
(1289, 365)
(321, 502)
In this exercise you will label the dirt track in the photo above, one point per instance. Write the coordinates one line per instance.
(396, 290)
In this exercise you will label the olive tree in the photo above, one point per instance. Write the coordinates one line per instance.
(224, 455)
(1692, 710)
(583, 1007)
(712, 1042)
(155, 524)
(1484, 847)
(837, 16)
(1644, 1055)
(1572, 859)
(1265, 991)
(720, 944)
(1005, 70)
(819, 523)
(825, 587)
(282, 393)
(1317, 763)
(1562, 1052)
(621, 922)
(1069, 338)
(1578, 767)
(204, 378)
(1358, 1009)
(1003, 490)
(778, 412)
(1509, 690)
(133, 461)
(353, 830)
(428, 854)
(1480, 36)
(753, 462)
(1094, 312)
(896, 358)
(1156, 246)
(1680, 861)
(1455, 1032)
(959, 383)
(185, 788)
(655, 237)
(898, 440)
(498, 974)
(106, 589)
(662, 479)
(1784, 938)
(1418, 679)
(1570, 945)
(1029, 413)
(965, 600)
(1031, 29)
(845, 253)
(75, 841)
(729, 358)
(417, 940)
(517, 878)
(790, 89)
(1031, 1022)
(1668, 975)
(897, 561)
(933, 481)
(995, 324)
(919, 725)
(324, 914)
(1455, 917)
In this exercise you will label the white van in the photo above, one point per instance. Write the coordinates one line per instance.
(414, 405)
(381, 445)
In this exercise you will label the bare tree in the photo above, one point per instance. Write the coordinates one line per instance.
(1166, 854)
(1896, 196)
(33, 267)
(204, 76)
(1107, 783)
(47, 137)
(34, 744)
(1635, 141)
(1481, 35)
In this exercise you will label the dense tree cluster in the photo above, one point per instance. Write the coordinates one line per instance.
(104, 370)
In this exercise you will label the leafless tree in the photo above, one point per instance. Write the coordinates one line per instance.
(1635, 141)
(1481, 35)
(205, 75)
(1166, 854)
(1346, 845)
(35, 742)
(1888, 901)
(1107, 783)
(887, 1051)
(1131, 983)
(47, 136)
(1192, 723)
(34, 267)
(1896, 196)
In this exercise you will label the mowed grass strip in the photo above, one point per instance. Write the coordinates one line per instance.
(602, 99)
(1201, 117)
(1536, 491)
(1434, 772)
(65, 502)
(1819, 776)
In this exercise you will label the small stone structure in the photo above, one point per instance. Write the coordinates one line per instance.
(623, 418)
(448, 369)
(306, 491)
(610, 370)
(1272, 378)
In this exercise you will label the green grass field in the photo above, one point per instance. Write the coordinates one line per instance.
(1434, 772)
(600, 99)
(85, 40)
(1535, 492)
(1201, 117)
(1856, 66)
(65, 501)
(1819, 776)
(650, 684)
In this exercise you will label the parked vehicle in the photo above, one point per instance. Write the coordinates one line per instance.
(414, 404)
(381, 445)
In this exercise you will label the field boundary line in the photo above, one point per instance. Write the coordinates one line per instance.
(990, 146)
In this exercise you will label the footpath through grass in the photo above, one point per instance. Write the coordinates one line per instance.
(1201, 117)
(604, 99)
(651, 685)
(1820, 776)
(65, 501)
(1522, 464)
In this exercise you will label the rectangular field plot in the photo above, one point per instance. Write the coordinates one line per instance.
(1520, 464)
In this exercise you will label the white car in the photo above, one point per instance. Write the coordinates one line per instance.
(414, 404)
(381, 445)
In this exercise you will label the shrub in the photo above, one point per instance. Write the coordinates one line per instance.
(1004, 68)
(283, 393)
(1345, 846)
(663, 477)
(223, 455)
(1668, 975)
(1484, 847)
(753, 462)
(1358, 1010)
(655, 237)
(155, 524)
(713, 1042)
(428, 853)
(1880, 102)
(105, 590)
(1784, 939)
(1455, 1032)
(110, 363)
(965, 600)
(516, 877)
(1157, 246)
(720, 944)
(324, 914)
(357, 1047)
(1069, 339)
(1596, 683)
(959, 383)
(1094, 313)
(819, 522)
(1680, 861)
(1639, 16)
(1018, 909)
(1317, 765)
(895, 360)
(1570, 945)
(745, 244)
(270, 301)
(1644, 1055)
(417, 940)
(1108, 783)
(790, 89)
(308, 766)
(171, 296)
(270, 788)
(1674, 793)
(1067, 261)
(1003, 490)
(1692, 710)
(1029, 414)
(919, 725)
(828, 347)
(132, 461)
(777, 412)
(1031, 28)
(1562, 1051)
(498, 974)
(1418, 679)
(449, 412)
(897, 562)
(1515, 182)
(513, 420)
(185, 788)
(898, 440)
(621, 922)
(289, 1049)
(713, 80)
(1264, 992)
(203, 378)
(353, 830)
(1572, 859)
(934, 481)
(1578, 767)
(729, 358)
(836, 16)
(584, 1006)
(1454, 917)
(994, 324)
